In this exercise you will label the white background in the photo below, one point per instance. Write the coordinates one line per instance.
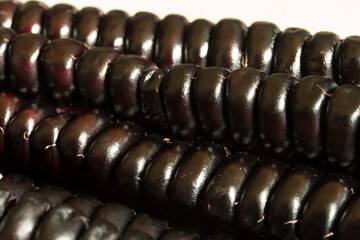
(341, 17)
